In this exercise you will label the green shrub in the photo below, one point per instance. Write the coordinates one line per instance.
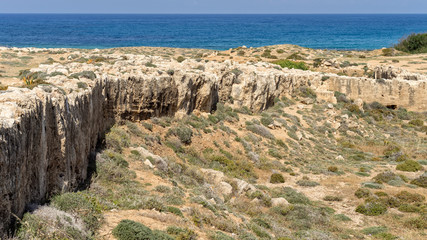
(307, 183)
(117, 139)
(333, 169)
(408, 208)
(277, 178)
(81, 204)
(241, 53)
(260, 130)
(387, 52)
(391, 150)
(267, 54)
(220, 236)
(409, 166)
(150, 64)
(130, 230)
(362, 193)
(372, 208)
(421, 181)
(260, 232)
(182, 132)
(274, 153)
(174, 210)
(419, 222)
(181, 234)
(295, 56)
(133, 128)
(160, 235)
(407, 197)
(417, 122)
(293, 196)
(342, 217)
(332, 198)
(180, 59)
(116, 158)
(306, 92)
(414, 43)
(266, 120)
(372, 185)
(284, 63)
(386, 177)
(374, 230)
(85, 74)
(50, 224)
(82, 85)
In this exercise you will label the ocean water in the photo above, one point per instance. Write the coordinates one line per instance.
(206, 31)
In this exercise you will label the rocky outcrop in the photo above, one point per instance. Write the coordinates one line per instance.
(396, 93)
(49, 134)
(390, 72)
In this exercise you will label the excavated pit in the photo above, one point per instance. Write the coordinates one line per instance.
(47, 137)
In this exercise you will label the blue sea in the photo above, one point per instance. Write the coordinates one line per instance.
(219, 32)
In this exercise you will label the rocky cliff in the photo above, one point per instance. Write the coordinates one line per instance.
(48, 134)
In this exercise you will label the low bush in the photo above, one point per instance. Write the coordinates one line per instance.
(174, 210)
(117, 139)
(332, 198)
(374, 230)
(419, 222)
(408, 208)
(409, 166)
(50, 223)
(284, 63)
(220, 236)
(306, 92)
(182, 132)
(414, 43)
(86, 207)
(85, 74)
(131, 230)
(305, 182)
(277, 178)
(421, 181)
(180, 59)
(181, 234)
(407, 197)
(417, 122)
(266, 120)
(260, 130)
(372, 185)
(372, 208)
(291, 195)
(333, 169)
(387, 52)
(342, 218)
(295, 56)
(386, 177)
(362, 193)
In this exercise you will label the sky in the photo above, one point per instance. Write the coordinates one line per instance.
(213, 6)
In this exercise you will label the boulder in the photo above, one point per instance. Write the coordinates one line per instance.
(212, 176)
(279, 201)
(225, 189)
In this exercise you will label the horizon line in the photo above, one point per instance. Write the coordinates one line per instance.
(101, 13)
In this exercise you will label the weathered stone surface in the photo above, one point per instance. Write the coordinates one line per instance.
(48, 134)
(278, 201)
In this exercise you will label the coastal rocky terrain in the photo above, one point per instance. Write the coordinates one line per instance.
(278, 142)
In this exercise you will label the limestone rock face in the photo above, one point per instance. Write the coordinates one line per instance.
(390, 72)
(48, 134)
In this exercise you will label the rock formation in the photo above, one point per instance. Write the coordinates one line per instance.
(49, 134)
